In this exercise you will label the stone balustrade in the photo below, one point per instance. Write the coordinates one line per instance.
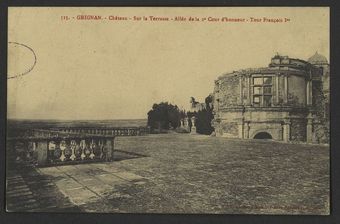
(115, 131)
(46, 147)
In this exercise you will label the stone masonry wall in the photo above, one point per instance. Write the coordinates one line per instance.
(321, 132)
(229, 91)
(230, 129)
(298, 130)
(296, 91)
(318, 99)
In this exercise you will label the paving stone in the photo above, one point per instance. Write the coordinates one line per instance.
(128, 176)
(111, 179)
(110, 168)
(187, 174)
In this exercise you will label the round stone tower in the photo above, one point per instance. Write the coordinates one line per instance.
(272, 102)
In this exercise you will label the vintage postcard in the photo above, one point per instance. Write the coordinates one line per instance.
(178, 110)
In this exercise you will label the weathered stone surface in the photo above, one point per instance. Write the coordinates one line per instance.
(201, 175)
(39, 193)
(298, 130)
(279, 96)
(229, 91)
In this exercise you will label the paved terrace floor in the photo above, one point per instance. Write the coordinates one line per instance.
(179, 173)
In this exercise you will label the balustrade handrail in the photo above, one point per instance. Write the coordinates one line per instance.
(113, 131)
(90, 127)
(57, 135)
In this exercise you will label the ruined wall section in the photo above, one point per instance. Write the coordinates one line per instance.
(229, 91)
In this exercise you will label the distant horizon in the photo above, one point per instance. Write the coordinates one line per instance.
(38, 119)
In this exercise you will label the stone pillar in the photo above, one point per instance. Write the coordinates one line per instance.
(307, 94)
(248, 91)
(186, 124)
(241, 91)
(241, 129)
(286, 130)
(309, 129)
(109, 149)
(311, 92)
(277, 89)
(42, 150)
(246, 130)
(286, 89)
(193, 127)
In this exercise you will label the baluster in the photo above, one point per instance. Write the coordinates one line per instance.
(87, 149)
(68, 149)
(57, 151)
(35, 153)
(92, 147)
(101, 146)
(96, 149)
(83, 147)
(73, 147)
(62, 148)
(77, 149)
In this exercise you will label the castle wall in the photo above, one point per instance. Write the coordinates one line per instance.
(229, 91)
(296, 111)
(296, 91)
(298, 130)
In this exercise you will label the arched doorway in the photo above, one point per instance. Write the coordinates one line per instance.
(263, 135)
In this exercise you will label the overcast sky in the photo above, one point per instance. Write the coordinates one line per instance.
(118, 69)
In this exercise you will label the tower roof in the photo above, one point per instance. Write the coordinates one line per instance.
(318, 59)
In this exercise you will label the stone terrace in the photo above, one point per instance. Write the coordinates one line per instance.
(181, 173)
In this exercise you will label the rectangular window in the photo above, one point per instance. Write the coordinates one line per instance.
(267, 101)
(258, 81)
(262, 90)
(257, 101)
(267, 80)
(267, 90)
(257, 90)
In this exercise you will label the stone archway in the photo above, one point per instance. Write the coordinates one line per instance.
(263, 135)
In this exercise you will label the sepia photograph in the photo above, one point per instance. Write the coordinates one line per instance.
(168, 110)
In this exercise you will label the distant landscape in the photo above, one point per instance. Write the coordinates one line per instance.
(18, 123)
